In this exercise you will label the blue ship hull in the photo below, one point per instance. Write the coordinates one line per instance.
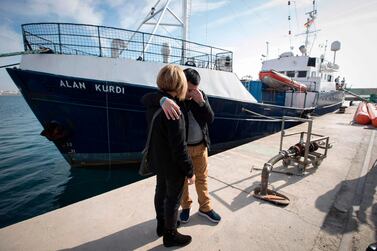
(103, 127)
(326, 102)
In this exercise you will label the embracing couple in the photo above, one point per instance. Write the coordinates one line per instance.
(179, 150)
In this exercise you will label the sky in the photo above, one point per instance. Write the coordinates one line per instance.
(242, 26)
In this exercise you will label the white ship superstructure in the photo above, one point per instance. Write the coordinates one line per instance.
(320, 76)
(316, 73)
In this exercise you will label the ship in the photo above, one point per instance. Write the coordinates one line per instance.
(84, 84)
(301, 80)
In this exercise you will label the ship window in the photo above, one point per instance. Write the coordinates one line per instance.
(290, 74)
(282, 72)
(301, 74)
(313, 74)
(329, 77)
(311, 62)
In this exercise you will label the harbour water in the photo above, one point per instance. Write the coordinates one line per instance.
(34, 177)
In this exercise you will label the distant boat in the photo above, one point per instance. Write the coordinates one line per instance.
(86, 89)
(10, 93)
(301, 80)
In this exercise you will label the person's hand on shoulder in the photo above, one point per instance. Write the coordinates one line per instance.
(170, 108)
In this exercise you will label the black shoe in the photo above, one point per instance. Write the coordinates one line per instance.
(372, 247)
(173, 238)
(160, 227)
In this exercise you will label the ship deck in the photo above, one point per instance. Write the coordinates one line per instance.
(331, 208)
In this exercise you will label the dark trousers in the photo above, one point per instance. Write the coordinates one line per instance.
(167, 199)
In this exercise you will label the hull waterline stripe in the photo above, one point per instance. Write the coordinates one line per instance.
(327, 106)
(78, 104)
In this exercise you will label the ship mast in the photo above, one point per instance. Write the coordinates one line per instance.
(185, 28)
(157, 12)
(309, 22)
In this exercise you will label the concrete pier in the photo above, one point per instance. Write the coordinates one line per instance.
(332, 207)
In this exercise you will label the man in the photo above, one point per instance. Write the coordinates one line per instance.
(198, 114)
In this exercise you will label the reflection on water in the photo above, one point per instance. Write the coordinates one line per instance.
(34, 177)
(84, 183)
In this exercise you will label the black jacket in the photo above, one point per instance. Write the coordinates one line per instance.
(168, 146)
(203, 115)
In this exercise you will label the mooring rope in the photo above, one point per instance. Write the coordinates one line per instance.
(18, 53)
(258, 114)
(8, 65)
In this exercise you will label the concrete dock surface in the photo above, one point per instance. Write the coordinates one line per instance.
(332, 207)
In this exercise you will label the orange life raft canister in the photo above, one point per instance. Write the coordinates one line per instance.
(362, 115)
(372, 110)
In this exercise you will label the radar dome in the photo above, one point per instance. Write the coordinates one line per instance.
(335, 46)
(302, 49)
(286, 54)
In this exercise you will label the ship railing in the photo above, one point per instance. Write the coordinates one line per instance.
(102, 41)
(310, 84)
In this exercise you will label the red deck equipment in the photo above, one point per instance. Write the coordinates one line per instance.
(372, 110)
(278, 80)
(361, 115)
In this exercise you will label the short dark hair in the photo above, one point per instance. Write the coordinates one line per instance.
(192, 76)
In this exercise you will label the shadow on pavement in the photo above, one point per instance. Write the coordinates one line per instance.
(245, 197)
(338, 220)
(128, 239)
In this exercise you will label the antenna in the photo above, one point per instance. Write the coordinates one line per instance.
(289, 26)
(309, 22)
(312, 15)
(325, 48)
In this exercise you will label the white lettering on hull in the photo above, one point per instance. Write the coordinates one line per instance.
(74, 84)
(109, 88)
(97, 87)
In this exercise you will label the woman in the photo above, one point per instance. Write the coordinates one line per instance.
(169, 158)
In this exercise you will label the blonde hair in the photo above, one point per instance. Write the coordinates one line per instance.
(171, 78)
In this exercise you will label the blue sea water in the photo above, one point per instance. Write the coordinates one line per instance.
(34, 177)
